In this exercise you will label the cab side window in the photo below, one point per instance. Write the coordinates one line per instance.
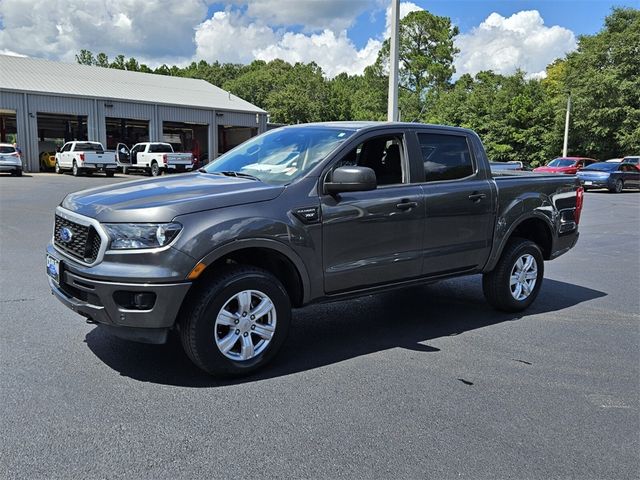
(384, 155)
(445, 157)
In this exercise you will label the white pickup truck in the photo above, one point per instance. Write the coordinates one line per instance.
(85, 157)
(154, 158)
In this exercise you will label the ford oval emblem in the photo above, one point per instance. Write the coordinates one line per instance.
(66, 235)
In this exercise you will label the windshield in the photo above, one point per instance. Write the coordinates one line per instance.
(6, 149)
(561, 162)
(602, 166)
(281, 155)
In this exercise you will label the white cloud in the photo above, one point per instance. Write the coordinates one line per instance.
(519, 41)
(60, 28)
(334, 53)
(230, 36)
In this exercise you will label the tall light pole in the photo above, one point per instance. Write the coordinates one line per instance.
(566, 126)
(392, 105)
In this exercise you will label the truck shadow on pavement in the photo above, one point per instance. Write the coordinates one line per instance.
(325, 334)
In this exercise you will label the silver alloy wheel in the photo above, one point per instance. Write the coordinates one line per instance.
(524, 276)
(245, 325)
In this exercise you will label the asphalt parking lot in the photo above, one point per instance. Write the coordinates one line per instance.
(428, 382)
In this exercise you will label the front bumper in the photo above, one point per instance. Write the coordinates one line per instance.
(96, 300)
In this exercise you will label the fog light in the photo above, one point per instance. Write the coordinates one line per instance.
(135, 300)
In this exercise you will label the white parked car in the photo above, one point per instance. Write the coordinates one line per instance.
(614, 160)
(85, 157)
(153, 158)
(10, 160)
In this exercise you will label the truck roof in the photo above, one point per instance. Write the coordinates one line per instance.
(365, 125)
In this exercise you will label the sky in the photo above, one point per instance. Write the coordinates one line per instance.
(339, 35)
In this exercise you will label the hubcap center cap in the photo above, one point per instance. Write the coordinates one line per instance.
(245, 325)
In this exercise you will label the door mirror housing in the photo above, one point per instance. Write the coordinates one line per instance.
(351, 179)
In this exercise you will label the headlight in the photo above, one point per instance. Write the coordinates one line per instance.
(141, 235)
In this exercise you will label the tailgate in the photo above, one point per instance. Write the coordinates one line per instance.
(179, 158)
(103, 158)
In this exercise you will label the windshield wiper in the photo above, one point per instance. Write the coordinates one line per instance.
(231, 173)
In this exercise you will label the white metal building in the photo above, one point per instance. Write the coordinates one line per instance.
(45, 103)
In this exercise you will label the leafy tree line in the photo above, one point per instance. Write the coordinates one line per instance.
(517, 118)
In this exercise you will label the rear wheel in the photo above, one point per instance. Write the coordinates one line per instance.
(155, 169)
(235, 323)
(17, 172)
(515, 282)
(109, 173)
(618, 186)
(74, 169)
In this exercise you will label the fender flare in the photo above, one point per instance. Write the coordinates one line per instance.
(267, 244)
(496, 252)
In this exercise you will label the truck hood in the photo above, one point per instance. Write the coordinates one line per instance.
(164, 198)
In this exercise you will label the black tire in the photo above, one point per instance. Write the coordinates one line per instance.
(18, 172)
(75, 170)
(496, 284)
(155, 169)
(197, 322)
(57, 169)
(109, 173)
(618, 186)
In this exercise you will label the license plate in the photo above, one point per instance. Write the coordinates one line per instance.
(588, 183)
(53, 268)
(100, 165)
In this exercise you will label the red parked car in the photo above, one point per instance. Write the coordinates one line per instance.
(568, 165)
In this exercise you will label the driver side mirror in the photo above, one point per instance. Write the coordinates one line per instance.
(351, 179)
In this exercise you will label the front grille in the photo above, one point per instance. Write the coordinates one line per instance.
(85, 241)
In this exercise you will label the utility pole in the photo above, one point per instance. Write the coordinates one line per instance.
(392, 105)
(566, 127)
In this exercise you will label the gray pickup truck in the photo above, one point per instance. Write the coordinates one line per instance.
(301, 214)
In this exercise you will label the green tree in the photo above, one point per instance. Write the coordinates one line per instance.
(102, 60)
(118, 62)
(85, 57)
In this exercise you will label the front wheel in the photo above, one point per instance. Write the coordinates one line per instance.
(58, 169)
(516, 280)
(235, 323)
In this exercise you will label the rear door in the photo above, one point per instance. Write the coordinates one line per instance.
(373, 237)
(459, 202)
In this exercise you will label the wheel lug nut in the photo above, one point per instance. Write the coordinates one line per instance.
(245, 334)
(236, 321)
(244, 314)
(253, 317)
(237, 332)
(253, 327)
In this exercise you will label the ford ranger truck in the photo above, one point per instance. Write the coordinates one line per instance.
(301, 214)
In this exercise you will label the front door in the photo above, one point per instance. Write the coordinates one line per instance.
(374, 237)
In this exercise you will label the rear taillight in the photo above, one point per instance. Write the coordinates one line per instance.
(82, 157)
(579, 202)
(165, 158)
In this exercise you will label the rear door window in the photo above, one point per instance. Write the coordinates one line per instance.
(445, 157)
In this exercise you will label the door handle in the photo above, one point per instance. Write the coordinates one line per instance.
(476, 197)
(406, 205)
